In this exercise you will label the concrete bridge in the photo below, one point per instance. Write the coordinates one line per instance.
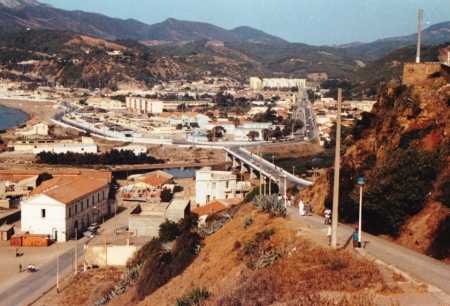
(268, 173)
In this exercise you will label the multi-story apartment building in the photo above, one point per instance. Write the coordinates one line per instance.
(144, 106)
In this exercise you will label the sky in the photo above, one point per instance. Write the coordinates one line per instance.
(317, 22)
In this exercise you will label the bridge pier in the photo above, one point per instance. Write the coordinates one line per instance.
(235, 163)
(227, 157)
(270, 186)
(252, 174)
(243, 169)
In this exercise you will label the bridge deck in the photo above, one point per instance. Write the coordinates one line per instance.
(265, 167)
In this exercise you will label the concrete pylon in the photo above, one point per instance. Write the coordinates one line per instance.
(227, 157)
(252, 174)
(243, 169)
(235, 162)
(270, 186)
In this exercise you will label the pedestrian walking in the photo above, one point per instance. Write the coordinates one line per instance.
(356, 238)
(301, 208)
(20, 268)
(327, 215)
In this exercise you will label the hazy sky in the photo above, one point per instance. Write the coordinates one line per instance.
(309, 21)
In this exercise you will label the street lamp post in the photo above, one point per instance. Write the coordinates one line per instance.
(360, 181)
(293, 170)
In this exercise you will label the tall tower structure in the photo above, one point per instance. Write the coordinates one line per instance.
(419, 34)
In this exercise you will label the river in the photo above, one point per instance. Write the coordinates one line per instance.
(10, 117)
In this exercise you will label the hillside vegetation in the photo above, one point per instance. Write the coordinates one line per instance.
(402, 149)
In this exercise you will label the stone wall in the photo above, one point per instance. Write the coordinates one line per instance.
(414, 74)
(111, 255)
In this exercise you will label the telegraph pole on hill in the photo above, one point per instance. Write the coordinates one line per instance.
(337, 165)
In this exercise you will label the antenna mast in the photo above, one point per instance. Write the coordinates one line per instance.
(419, 34)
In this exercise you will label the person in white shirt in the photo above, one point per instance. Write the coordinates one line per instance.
(301, 208)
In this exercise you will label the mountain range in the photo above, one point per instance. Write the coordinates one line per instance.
(20, 14)
(174, 48)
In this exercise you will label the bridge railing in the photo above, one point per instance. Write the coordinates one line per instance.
(288, 175)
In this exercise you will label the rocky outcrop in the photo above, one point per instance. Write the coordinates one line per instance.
(405, 120)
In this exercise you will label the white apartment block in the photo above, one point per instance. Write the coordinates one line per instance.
(214, 185)
(276, 83)
(64, 205)
(144, 105)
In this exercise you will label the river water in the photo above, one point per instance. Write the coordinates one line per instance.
(10, 118)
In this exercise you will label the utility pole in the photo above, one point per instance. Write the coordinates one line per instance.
(285, 190)
(419, 34)
(76, 251)
(57, 269)
(337, 165)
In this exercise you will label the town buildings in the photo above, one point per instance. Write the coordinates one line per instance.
(67, 204)
(14, 185)
(144, 105)
(87, 145)
(217, 185)
(147, 187)
(145, 219)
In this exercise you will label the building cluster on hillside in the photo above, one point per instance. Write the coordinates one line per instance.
(326, 111)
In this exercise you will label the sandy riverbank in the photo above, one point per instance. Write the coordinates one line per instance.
(37, 111)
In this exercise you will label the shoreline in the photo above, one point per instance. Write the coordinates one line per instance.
(35, 111)
(28, 117)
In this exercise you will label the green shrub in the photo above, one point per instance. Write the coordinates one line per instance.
(271, 205)
(166, 195)
(194, 298)
(145, 253)
(445, 196)
(440, 248)
(168, 231)
(398, 190)
(159, 268)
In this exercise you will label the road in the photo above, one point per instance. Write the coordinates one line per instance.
(31, 287)
(418, 266)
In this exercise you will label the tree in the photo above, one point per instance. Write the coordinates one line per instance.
(266, 134)
(277, 133)
(216, 132)
(168, 231)
(252, 135)
(166, 195)
(182, 107)
(179, 126)
(292, 126)
(268, 116)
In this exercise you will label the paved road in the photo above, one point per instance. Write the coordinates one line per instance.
(35, 284)
(419, 266)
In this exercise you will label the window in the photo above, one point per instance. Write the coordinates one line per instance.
(43, 213)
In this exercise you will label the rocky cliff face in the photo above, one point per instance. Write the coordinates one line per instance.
(402, 149)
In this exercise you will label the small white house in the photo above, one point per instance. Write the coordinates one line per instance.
(214, 185)
(67, 204)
